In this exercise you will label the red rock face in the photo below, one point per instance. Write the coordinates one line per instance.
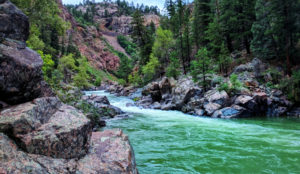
(88, 40)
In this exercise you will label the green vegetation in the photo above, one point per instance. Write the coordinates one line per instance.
(202, 67)
(150, 69)
(233, 87)
(173, 69)
(196, 39)
(129, 47)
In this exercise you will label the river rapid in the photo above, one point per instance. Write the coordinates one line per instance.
(170, 142)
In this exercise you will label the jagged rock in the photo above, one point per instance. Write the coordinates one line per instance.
(153, 90)
(96, 99)
(214, 96)
(27, 117)
(110, 152)
(103, 107)
(210, 108)
(165, 86)
(20, 74)
(12, 160)
(247, 102)
(183, 91)
(194, 104)
(14, 23)
(65, 135)
(234, 111)
(47, 127)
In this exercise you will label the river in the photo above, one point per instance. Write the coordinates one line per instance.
(170, 142)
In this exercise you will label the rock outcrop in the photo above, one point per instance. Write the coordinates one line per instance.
(41, 135)
(89, 43)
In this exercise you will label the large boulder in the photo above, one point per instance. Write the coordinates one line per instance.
(247, 102)
(102, 106)
(20, 73)
(184, 90)
(12, 160)
(47, 127)
(215, 96)
(234, 111)
(110, 152)
(14, 24)
(66, 135)
(27, 117)
(210, 108)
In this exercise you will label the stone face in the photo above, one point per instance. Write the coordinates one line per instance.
(65, 135)
(110, 152)
(24, 118)
(12, 160)
(47, 127)
(210, 108)
(20, 74)
(183, 91)
(14, 23)
(214, 96)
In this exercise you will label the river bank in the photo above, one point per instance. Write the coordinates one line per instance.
(240, 96)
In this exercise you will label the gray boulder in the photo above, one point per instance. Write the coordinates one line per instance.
(215, 96)
(234, 111)
(210, 108)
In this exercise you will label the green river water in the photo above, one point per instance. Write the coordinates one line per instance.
(170, 142)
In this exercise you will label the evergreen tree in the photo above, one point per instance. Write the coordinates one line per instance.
(201, 19)
(141, 36)
(173, 69)
(201, 67)
(276, 31)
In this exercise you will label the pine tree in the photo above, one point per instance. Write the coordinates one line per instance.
(141, 37)
(186, 38)
(201, 67)
(201, 19)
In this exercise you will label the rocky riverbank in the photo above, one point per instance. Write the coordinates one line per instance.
(39, 133)
(253, 100)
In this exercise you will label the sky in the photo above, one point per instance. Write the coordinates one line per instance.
(159, 3)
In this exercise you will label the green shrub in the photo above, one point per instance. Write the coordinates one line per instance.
(135, 79)
(291, 86)
(150, 69)
(129, 47)
(233, 87)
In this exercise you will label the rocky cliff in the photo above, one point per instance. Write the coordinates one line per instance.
(89, 42)
(38, 133)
